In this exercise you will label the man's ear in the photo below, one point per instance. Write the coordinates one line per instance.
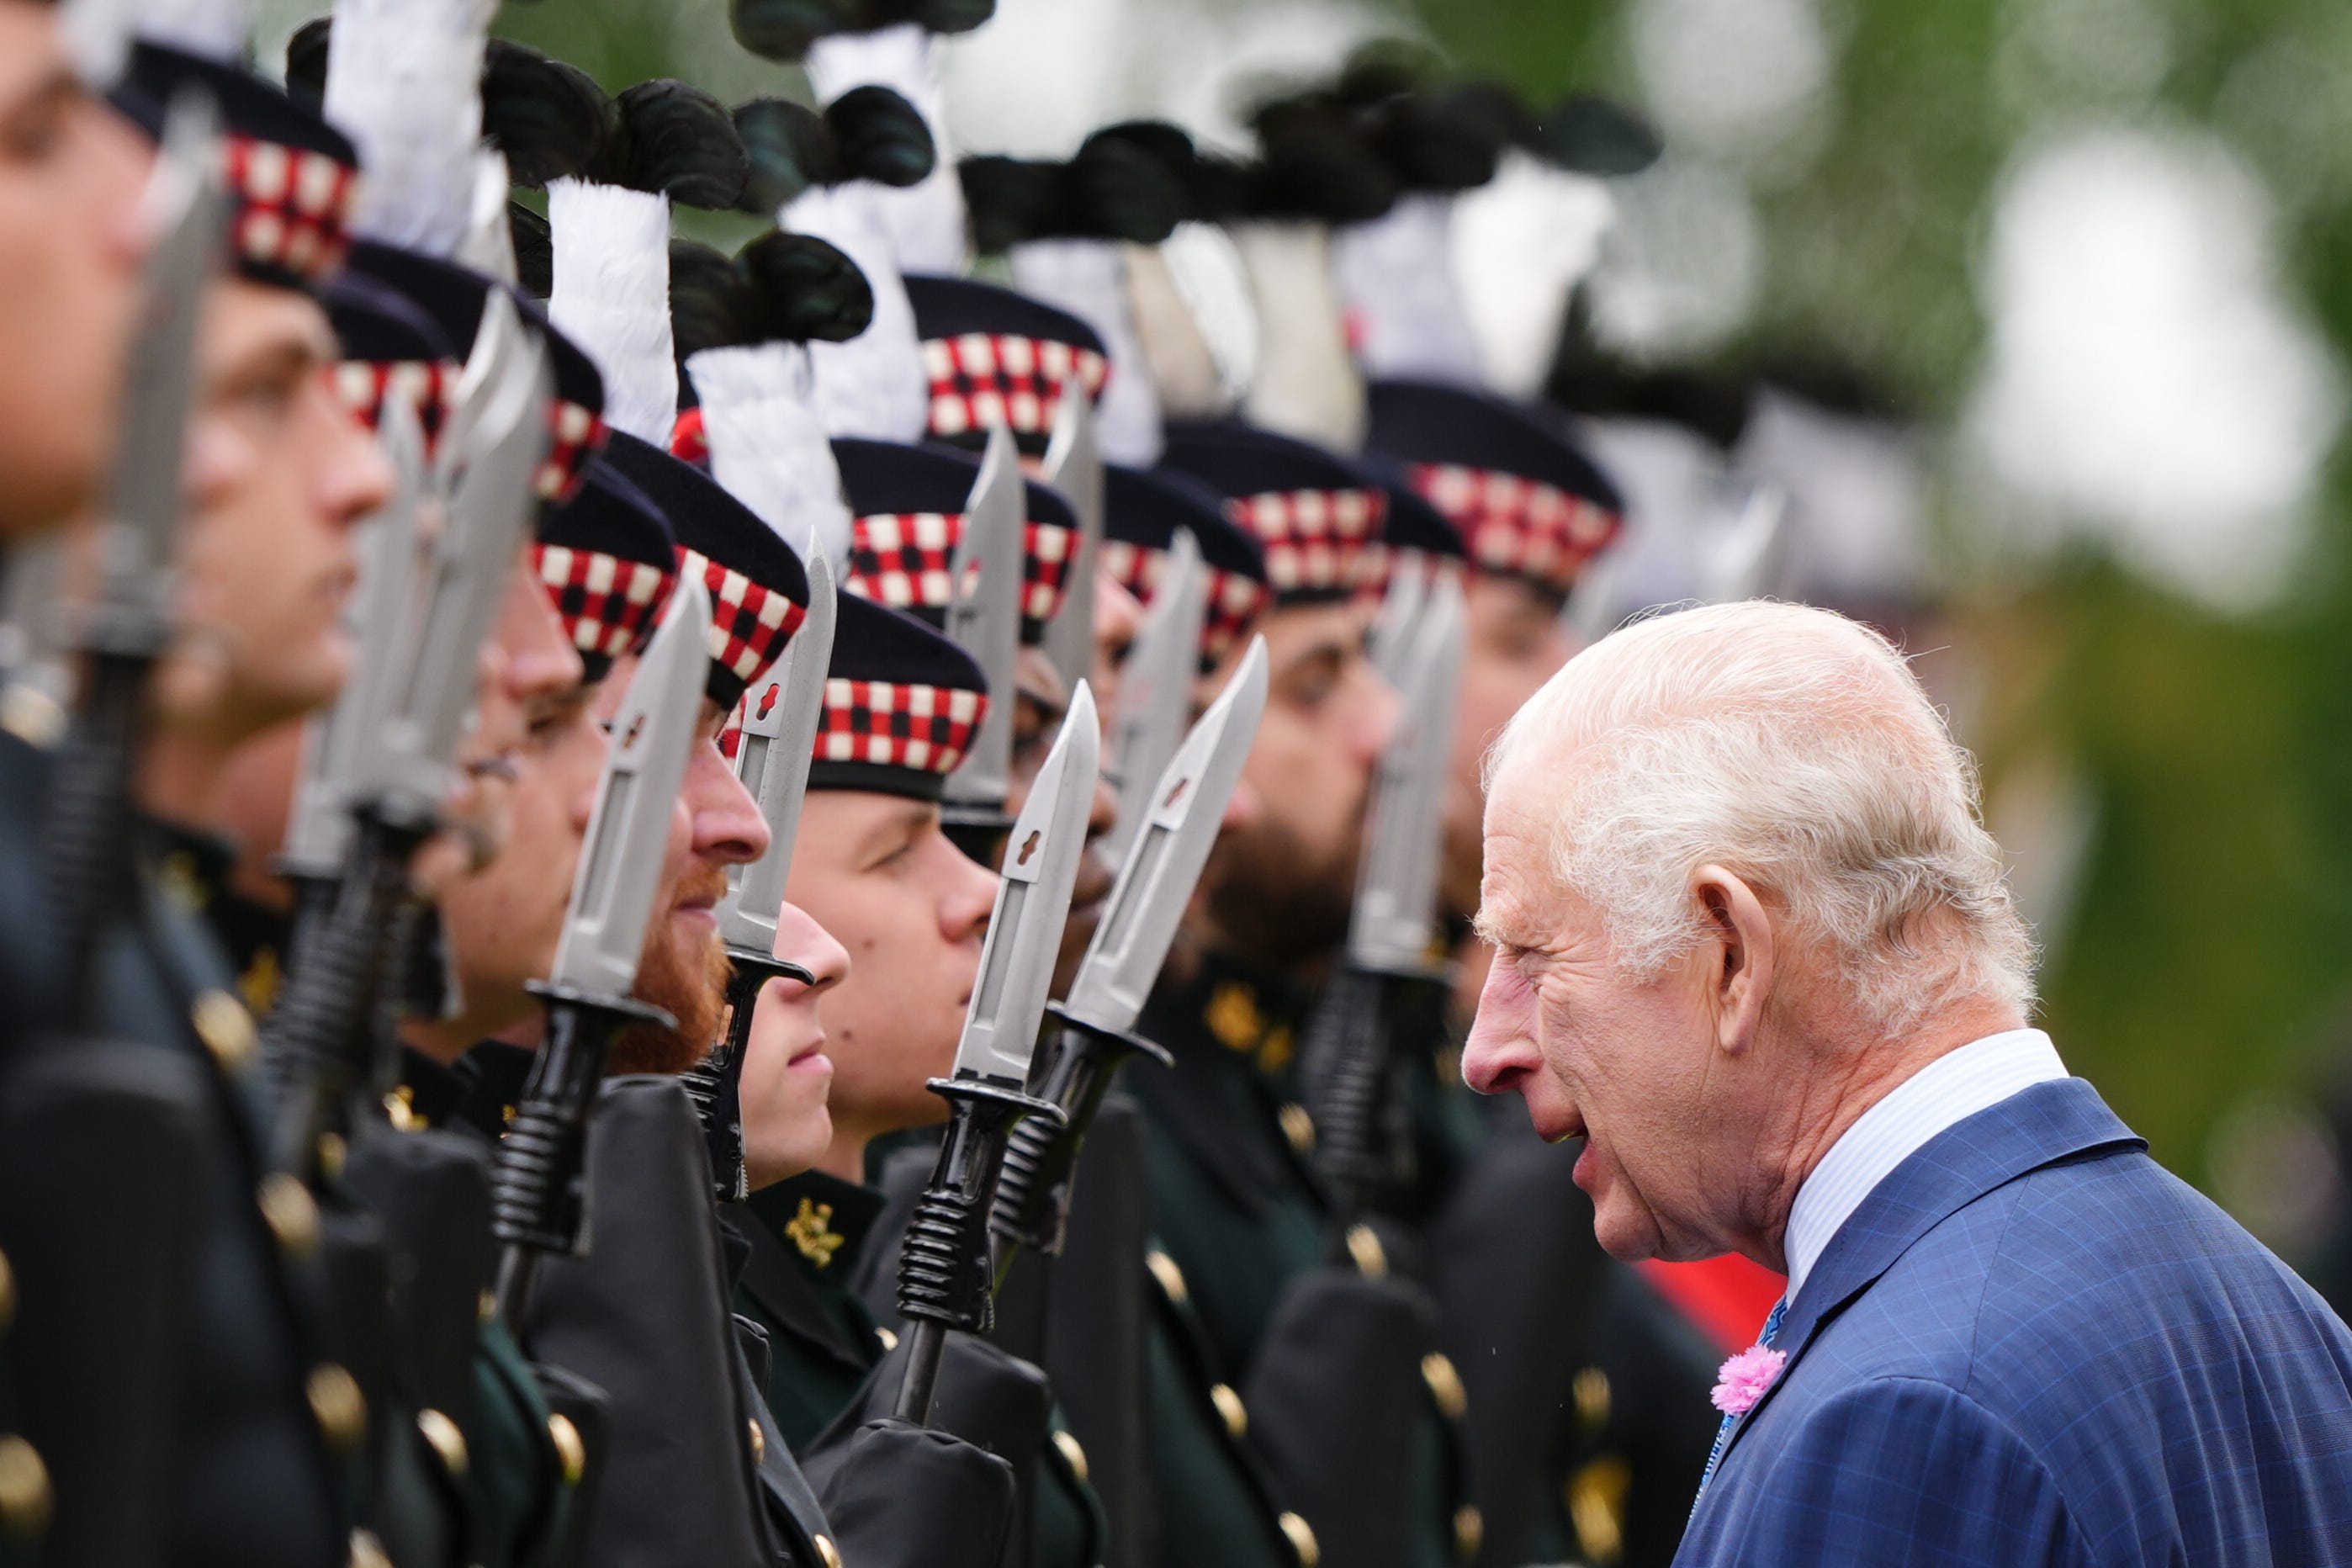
(1741, 938)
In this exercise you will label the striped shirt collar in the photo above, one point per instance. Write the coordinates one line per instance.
(1947, 1091)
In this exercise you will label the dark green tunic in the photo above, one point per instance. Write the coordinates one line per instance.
(805, 1236)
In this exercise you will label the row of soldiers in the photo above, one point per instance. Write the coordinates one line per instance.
(798, 907)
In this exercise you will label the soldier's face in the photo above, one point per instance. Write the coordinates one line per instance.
(787, 1076)
(70, 241)
(1036, 722)
(1280, 882)
(1516, 644)
(910, 908)
(527, 664)
(503, 922)
(279, 472)
(684, 967)
(1118, 617)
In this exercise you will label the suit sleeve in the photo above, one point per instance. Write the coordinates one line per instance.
(1892, 1471)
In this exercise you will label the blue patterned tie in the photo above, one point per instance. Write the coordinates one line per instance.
(1723, 1433)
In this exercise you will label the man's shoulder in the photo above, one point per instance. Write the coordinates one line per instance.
(2068, 1266)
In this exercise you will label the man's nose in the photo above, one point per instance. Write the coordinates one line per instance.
(728, 826)
(1500, 1051)
(355, 478)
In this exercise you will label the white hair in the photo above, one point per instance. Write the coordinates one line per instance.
(1796, 748)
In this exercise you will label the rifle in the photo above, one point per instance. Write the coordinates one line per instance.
(1347, 1060)
(943, 1267)
(1033, 1199)
(121, 632)
(538, 1197)
(773, 757)
(381, 762)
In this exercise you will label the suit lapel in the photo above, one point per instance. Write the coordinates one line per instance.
(2031, 1129)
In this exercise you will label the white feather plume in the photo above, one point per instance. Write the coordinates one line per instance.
(768, 442)
(404, 83)
(872, 386)
(216, 30)
(489, 245)
(611, 296)
(1396, 274)
(925, 222)
(1307, 384)
(1521, 242)
(1087, 278)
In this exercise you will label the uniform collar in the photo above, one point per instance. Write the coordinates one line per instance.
(824, 1221)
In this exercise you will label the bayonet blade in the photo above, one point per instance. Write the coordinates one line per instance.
(1747, 557)
(628, 831)
(1073, 466)
(377, 620)
(1396, 899)
(500, 439)
(986, 617)
(184, 210)
(1394, 629)
(778, 740)
(1155, 690)
(1032, 903)
(1187, 809)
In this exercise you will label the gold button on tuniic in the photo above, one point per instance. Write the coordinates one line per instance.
(25, 1500)
(1073, 1453)
(444, 1439)
(1230, 1407)
(340, 1406)
(1302, 1539)
(570, 1450)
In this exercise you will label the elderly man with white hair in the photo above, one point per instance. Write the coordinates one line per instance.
(1753, 947)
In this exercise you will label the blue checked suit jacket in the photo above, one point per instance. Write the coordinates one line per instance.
(2031, 1345)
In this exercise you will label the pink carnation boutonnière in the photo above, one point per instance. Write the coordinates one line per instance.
(1744, 1378)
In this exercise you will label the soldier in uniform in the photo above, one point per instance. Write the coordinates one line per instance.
(69, 247)
(902, 705)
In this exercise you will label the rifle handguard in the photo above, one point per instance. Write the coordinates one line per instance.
(86, 819)
(1348, 1060)
(715, 1083)
(944, 1276)
(1032, 1194)
(319, 1040)
(538, 1201)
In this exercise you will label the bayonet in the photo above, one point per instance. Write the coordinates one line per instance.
(484, 471)
(984, 619)
(127, 624)
(943, 1270)
(1746, 559)
(776, 740)
(1346, 1061)
(1396, 897)
(1073, 466)
(1155, 692)
(1139, 924)
(1390, 649)
(538, 1195)
(388, 545)
(385, 753)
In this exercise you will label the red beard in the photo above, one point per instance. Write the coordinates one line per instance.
(688, 979)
